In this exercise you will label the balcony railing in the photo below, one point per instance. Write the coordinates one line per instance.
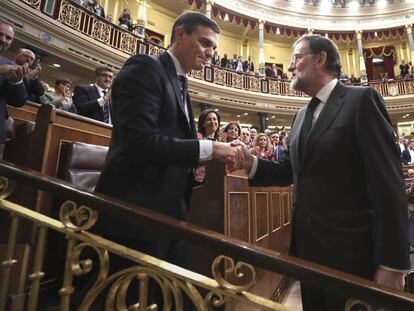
(77, 218)
(101, 30)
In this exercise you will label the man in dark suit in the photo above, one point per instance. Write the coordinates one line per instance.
(96, 7)
(248, 65)
(406, 154)
(31, 81)
(350, 210)
(94, 101)
(154, 149)
(12, 89)
(224, 61)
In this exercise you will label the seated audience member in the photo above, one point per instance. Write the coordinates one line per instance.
(95, 101)
(343, 77)
(224, 61)
(407, 156)
(238, 64)
(401, 144)
(231, 132)
(274, 138)
(61, 98)
(409, 186)
(262, 147)
(125, 20)
(215, 60)
(31, 80)
(45, 86)
(404, 69)
(245, 137)
(95, 7)
(354, 79)
(253, 133)
(281, 146)
(208, 129)
(208, 125)
(272, 72)
(285, 76)
(82, 3)
(248, 65)
(12, 89)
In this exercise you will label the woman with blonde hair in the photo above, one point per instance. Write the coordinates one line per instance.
(262, 147)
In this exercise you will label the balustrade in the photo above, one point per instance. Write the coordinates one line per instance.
(76, 219)
(97, 28)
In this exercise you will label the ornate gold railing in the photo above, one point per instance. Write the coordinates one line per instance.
(97, 28)
(175, 282)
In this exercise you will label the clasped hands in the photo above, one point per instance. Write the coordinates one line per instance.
(235, 155)
(17, 72)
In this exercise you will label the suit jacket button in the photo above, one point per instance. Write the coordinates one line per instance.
(308, 219)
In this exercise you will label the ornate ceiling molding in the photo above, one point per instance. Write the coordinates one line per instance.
(281, 12)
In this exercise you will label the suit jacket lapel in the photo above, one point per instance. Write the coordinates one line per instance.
(172, 75)
(294, 138)
(94, 92)
(326, 117)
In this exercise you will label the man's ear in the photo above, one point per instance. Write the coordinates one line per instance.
(322, 58)
(179, 34)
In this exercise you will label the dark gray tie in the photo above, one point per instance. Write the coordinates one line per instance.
(184, 87)
(105, 109)
(307, 121)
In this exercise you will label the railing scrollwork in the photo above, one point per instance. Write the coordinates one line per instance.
(229, 286)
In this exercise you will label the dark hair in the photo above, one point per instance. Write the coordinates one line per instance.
(102, 69)
(231, 123)
(190, 20)
(62, 80)
(317, 44)
(202, 119)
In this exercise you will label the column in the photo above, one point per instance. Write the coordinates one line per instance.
(261, 48)
(409, 29)
(142, 19)
(262, 121)
(362, 68)
(209, 5)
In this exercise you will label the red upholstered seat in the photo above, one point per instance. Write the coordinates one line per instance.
(81, 164)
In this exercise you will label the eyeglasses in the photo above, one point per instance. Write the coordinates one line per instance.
(296, 57)
(106, 75)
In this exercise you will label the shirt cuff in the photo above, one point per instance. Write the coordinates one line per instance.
(206, 150)
(101, 101)
(254, 168)
(395, 270)
(16, 83)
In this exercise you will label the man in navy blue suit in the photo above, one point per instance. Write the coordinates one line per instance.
(154, 148)
(12, 89)
(406, 154)
(94, 101)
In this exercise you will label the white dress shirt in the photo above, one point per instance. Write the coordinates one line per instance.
(206, 146)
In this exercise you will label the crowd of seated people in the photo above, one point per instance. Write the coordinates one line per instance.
(269, 145)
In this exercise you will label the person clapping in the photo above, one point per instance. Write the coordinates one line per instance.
(61, 98)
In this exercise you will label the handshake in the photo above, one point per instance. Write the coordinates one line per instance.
(235, 155)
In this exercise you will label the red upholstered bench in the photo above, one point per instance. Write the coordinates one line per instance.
(81, 163)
